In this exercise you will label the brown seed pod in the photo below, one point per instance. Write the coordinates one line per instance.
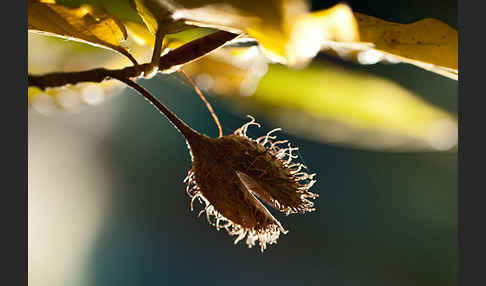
(230, 173)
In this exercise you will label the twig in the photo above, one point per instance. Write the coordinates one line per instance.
(182, 55)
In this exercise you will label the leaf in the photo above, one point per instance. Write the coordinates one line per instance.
(428, 43)
(79, 24)
(285, 29)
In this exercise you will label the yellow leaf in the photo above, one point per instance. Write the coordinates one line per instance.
(428, 43)
(79, 24)
(302, 40)
(285, 29)
(140, 33)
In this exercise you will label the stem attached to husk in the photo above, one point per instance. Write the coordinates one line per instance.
(180, 125)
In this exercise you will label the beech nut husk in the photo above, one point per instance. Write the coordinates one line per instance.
(232, 173)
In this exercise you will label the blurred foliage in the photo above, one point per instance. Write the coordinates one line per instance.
(363, 110)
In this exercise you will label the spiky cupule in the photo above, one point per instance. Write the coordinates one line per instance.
(229, 173)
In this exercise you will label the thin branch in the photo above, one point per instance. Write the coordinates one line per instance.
(182, 55)
(208, 105)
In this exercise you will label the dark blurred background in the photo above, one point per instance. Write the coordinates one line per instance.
(381, 219)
